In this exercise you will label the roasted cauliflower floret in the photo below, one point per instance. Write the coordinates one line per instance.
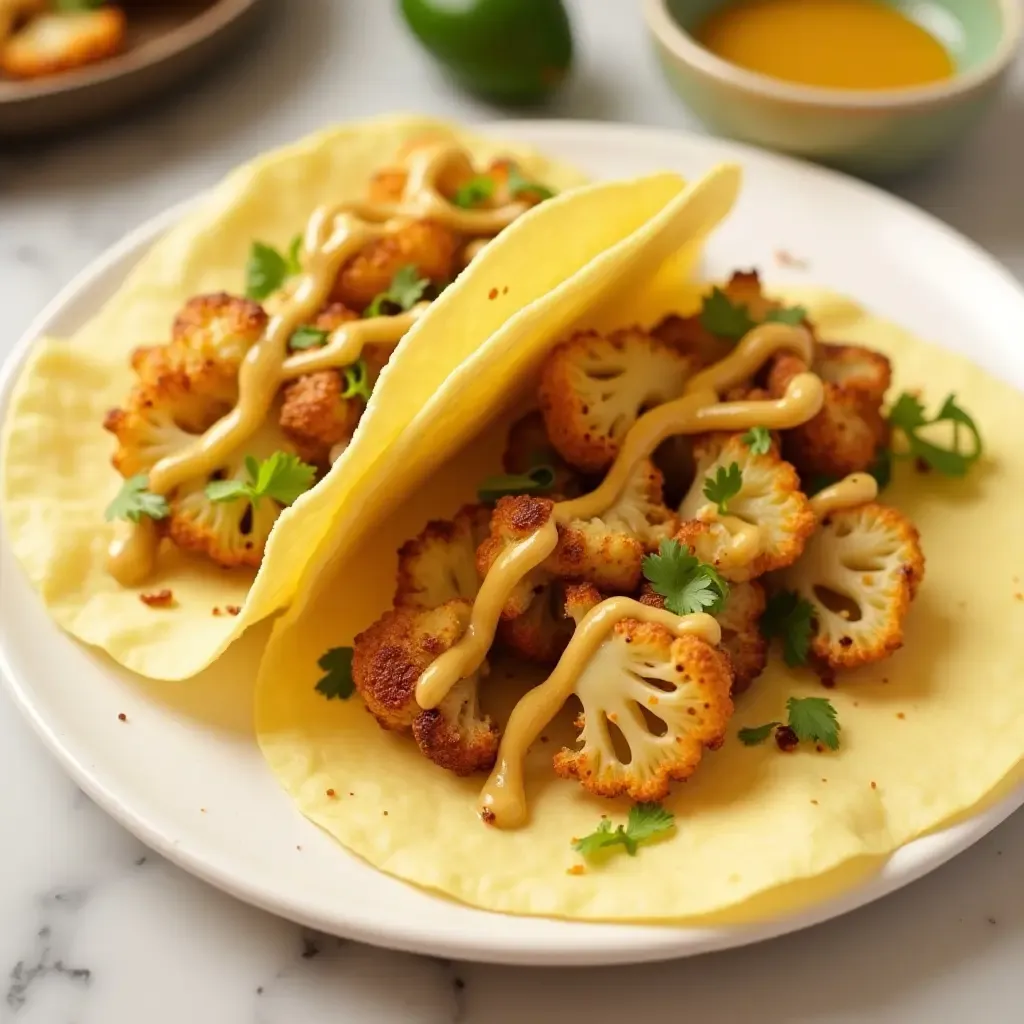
(528, 447)
(316, 418)
(845, 435)
(63, 41)
(231, 533)
(859, 571)
(768, 521)
(387, 662)
(440, 564)
(210, 338)
(541, 633)
(740, 620)
(608, 550)
(667, 698)
(14, 14)
(689, 335)
(855, 368)
(594, 388)
(424, 244)
(515, 519)
(163, 416)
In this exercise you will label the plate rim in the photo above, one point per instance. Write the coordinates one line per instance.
(648, 942)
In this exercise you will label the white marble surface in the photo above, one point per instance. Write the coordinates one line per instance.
(96, 930)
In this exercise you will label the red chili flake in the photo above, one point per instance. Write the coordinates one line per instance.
(786, 739)
(819, 748)
(122, 717)
(331, 793)
(899, 714)
(158, 599)
(874, 785)
(216, 611)
(232, 609)
(921, 466)
(492, 294)
(576, 869)
(487, 816)
(787, 259)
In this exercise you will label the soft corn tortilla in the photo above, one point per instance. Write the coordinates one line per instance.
(927, 737)
(57, 479)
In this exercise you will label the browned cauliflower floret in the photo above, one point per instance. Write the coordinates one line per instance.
(542, 631)
(594, 388)
(528, 446)
(163, 415)
(14, 14)
(608, 550)
(231, 533)
(440, 564)
(844, 436)
(211, 336)
(860, 571)
(316, 418)
(768, 520)
(742, 638)
(855, 368)
(63, 41)
(424, 244)
(689, 335)
(667, 698)
(514, 519)
(387, 662)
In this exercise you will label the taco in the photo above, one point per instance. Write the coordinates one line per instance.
(677, 535)
(291, 297)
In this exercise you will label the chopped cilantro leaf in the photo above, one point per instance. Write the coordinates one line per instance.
(307, 336)
(758, 440)
(723, 486)
(337, 682)
(281, 477)
(405, 290)
(792, 315)
(646, 822)
(687, 584)
(539, 480)
(908, 416)
(814, 719)
(474, 192)
(732, 320)
(520, 186)
(791, 619)
(758, 734)
(357, 381)
(134, 501)
(267, 268)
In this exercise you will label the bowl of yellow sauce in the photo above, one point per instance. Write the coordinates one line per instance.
(873, 86)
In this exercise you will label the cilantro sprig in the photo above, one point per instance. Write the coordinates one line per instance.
(336, 683)
(475, 192)
(908, 416)
(758, 440)
(687, 584)
(791, 619)
(519, 186)
(281, 477)
(135, 500)
(307, 336)
(646, 822)
(732, 320)
(538, 480)
(268, 268)
(812, 719)
(724, 485)
(405, 290)
(357, 381)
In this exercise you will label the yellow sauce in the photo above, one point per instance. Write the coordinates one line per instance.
(503, 798)
(850, 492)
(333, 235)
(839, 44)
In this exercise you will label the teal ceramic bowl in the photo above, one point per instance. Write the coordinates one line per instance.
(870, 132)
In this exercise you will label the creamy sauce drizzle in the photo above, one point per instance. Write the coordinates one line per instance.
(697, 411)
(742, 540)
(333, 235)
(853, 490)
(503, 798)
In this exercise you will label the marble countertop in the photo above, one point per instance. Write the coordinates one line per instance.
(95, 929)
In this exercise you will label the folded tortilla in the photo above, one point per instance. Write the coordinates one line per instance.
(928, 736)
(56, 476)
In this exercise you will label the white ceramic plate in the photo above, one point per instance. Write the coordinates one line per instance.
(184, 773)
